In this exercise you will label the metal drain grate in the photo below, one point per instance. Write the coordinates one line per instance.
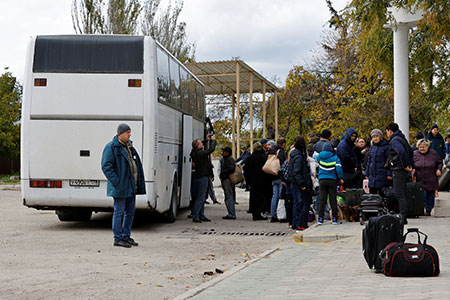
(245, 233)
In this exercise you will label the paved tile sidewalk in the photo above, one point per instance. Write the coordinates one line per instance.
(335, 270)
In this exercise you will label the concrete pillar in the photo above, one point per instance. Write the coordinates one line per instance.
(401, 78)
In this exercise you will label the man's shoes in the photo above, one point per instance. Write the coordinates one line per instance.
(205, 219)
(228, 217)
(428, 212)
(236, 203)
(206, 202)
(249, 211)
(260, 218)
(216, 202)
(122, 243)
(195, 220)
(274, 220)
(335, 221)
(131, 242)
(320, 221)
(189, 216)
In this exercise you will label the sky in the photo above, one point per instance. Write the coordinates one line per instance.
(270, 36)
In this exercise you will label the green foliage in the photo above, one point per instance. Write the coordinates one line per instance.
(10, 108)
(131, 17)
(351, 83)
(166, 29)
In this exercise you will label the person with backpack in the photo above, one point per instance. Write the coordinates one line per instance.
(400, 162)
(330, 173)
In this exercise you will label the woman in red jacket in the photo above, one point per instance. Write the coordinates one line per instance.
(427, 169)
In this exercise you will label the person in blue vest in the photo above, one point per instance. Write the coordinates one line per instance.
(330, 174)
(437, 141)
(123, 170)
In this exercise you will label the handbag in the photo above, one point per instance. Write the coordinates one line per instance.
(281, 209)
(237, 176)
(272, 165)
(407, 259)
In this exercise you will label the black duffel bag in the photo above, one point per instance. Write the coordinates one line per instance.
(407, 259)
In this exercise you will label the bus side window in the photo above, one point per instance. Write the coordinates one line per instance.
(184, 90)
(163, 75)
(192, 97)
(175, 91)
(200, 108)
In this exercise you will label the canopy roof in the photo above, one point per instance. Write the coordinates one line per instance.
(220, 77)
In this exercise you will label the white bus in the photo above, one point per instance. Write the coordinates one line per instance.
(77, 90)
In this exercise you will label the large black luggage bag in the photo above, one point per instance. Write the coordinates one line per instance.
(406, 259)
(378, 233)
(414, 199)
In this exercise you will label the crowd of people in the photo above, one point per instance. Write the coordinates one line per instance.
(312, 171)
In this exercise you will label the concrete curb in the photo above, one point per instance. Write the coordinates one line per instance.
(10, 187)
(197, 290)
(311, 236)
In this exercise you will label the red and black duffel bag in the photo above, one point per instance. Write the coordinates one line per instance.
(406, 259)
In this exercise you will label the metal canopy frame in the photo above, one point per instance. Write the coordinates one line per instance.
(235, 77)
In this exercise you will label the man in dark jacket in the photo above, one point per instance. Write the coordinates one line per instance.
(123, 170)
(244, 155)
(437, 141)
(201, 172)
(257, 179)
(227, 166)
(346, 154)
(400, 163)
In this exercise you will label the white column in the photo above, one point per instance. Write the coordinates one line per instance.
(401, 78)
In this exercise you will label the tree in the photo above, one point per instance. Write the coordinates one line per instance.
(131, 17)
(166, 29)
(10, 108)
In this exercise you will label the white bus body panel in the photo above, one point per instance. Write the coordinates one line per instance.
(87, 96)
(56, 145)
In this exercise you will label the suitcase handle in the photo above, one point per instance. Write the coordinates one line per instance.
(416, 230)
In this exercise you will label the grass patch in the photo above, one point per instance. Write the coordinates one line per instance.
(6, 179)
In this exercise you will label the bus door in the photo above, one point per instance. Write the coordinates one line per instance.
(186, 162)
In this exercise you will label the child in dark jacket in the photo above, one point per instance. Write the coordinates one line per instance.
(330, 173)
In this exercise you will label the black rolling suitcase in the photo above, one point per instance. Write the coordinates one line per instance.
(378, 233)
(414, 199)
(406, 259)
(371, 204)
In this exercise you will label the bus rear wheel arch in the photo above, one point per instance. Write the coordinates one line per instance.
(171, 214)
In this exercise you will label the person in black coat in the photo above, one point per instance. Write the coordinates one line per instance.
(299, 177)
(437, 141)
(227, 166)
(378, 154)
(346, 154)
(257, 180)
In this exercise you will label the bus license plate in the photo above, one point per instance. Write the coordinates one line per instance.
(82, 182)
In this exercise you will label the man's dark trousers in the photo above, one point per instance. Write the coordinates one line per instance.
(400, 178)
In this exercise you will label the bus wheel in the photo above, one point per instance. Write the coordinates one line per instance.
(71, 215)
(171, 214)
